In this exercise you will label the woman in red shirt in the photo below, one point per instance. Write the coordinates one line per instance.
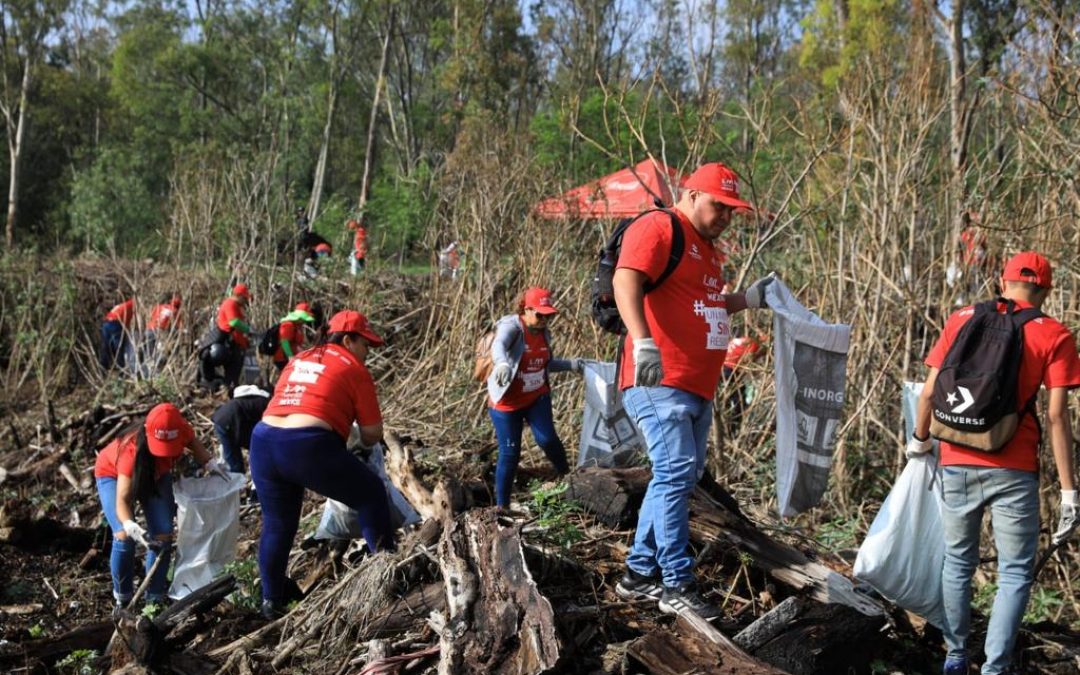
(518, 389)
(137, 466)
(300, 443)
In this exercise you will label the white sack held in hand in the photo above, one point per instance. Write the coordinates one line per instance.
(208, 521)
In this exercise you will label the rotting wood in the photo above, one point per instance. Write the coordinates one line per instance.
(770, 624)
(612, 496)
(666, 652)
(827, 639)
(692, 623)
(498, 621)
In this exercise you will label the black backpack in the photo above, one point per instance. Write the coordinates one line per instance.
(974, 402)
(604, 311)
(269, 342)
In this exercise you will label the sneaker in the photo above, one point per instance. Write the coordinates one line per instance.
(271, 610)
(954, 666)
(634, 586)
(688, 598)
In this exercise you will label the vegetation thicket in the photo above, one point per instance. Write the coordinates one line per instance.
(158, 145)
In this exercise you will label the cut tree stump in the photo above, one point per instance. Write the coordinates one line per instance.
(498, 621)
(688, 650)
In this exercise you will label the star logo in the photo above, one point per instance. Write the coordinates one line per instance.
(951, 398)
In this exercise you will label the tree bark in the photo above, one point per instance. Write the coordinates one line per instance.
(369, 149)
(16, 148)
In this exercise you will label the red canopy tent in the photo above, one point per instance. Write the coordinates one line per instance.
(622, 194)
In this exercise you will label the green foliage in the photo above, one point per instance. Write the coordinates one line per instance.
(398, 213)
(835, 535)
(111, 204)
(78, 662)
(152, 609)
(983, 598)
(553, 513)
(1043, 605)
(248, 593)
(37, 631)
(873, 30)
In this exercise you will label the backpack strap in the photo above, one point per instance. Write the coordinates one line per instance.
(1020, 317)
(678, 243)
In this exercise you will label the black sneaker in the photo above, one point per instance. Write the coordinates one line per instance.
(271, 610)
(688, 598)
(634, 586)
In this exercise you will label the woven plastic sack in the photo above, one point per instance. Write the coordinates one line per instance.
(903, 553)
(608, 436)
(208, 521)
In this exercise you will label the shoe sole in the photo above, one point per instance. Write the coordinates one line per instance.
(669, 609)
(630, 594)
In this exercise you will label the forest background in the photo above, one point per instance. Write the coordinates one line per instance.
(871, 133)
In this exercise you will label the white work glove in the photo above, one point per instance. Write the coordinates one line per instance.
(648, 371)
(135, 532)
(755, 294)
(577, 366)
(1069, 514)
(918, 448)
(216, 468)
(502, 374)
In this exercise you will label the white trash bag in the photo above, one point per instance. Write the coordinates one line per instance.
(341, 522)
(208, 521)
(903, 553)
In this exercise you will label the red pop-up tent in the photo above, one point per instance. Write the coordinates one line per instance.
(622, 194)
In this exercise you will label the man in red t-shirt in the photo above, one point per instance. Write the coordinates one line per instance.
(1007, 481)
(163, 318)
(115, 339)
(359, 256)
(673, 355)
(229, 341)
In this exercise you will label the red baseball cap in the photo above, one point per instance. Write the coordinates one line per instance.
(242, 291)
(349, 321)
(1031, 267)
(539, 300)
(323, 247)
(720, 182)
(303, 307)
(167, 432)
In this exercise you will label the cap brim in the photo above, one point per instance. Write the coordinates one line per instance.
(159, 448)
(545, 310)
(732, 202)
(373, 339)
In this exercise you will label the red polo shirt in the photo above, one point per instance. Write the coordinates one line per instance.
(119, 457)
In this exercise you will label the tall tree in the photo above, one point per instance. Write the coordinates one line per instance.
(24, 28)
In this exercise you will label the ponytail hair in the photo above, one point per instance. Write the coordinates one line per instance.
(142, 479)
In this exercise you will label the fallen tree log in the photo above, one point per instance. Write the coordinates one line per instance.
(497, 620)
(612, 496)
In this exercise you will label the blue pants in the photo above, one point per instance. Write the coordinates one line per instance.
(1013, 499)
(159, 512)
(508, 428)
(675, 424)
(230, 452)
(283, 463)
(113, 350)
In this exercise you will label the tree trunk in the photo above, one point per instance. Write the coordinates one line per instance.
(16, 148)
(324, 152)
(365, 183)
(958, 115)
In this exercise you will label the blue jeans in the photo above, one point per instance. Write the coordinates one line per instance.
(508, 428)
(231, 453)
(283, 463)
(675, 424)
(159, 512)
(1013, 499)
(113, 350)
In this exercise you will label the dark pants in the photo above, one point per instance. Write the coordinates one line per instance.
(113, 350)
(231, 452)
(283, 463)
(508, 428)
(234, 366)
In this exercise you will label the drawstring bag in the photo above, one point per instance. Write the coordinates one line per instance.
(208, 522)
